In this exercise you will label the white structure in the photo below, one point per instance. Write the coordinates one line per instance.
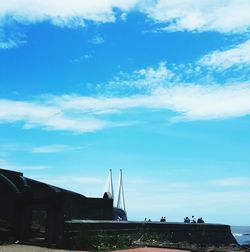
(120, 203)
(121, 197)
(110, 188)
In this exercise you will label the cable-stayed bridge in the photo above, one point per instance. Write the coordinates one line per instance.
(119, 199)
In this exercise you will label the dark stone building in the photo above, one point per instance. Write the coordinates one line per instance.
(34, 211)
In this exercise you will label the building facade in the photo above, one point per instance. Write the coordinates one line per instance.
(35, 211)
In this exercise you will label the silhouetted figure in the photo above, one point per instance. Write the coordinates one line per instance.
(162, 219)
(193, 220)
(149, 220)
(145, 219)
(186, 220)
(200, 220)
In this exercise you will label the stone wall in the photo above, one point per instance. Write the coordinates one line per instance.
(110, 234)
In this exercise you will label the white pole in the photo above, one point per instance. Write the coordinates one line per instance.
(109, 186)
(123, 196)
(119, 192)
(121, 202)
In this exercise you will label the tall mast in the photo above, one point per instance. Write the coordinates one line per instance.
(110, 184)
(121, 198)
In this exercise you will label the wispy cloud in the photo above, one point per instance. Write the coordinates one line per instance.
(54, 148)
(87, 180)
(10, 166)
(143, 80)
(189, 101)
(33, 115)
(9, 147)
(97, 40)
(10, 39)
(199, 16)
(206, 102)
(67, 179)
(236, 181)
(204, 71)
(150, 89)
(7, 44)
(82, 58)
(238, 56)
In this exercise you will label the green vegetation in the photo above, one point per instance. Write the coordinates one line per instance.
(103, 241)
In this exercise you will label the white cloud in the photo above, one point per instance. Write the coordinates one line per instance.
(205, 102)
(8, 44)
(67, 179)
(89, 180)
(206, 15)
(63, 13)
(145, 79)
(238, 56)
(11, 39)
(9, 147)
(9, 166)
(236, 181)
(191, 15)
(82, 58)
(54, 148)
(33, 115)
(97, 40)
(84, 114)
(156, 76)
(191, 102)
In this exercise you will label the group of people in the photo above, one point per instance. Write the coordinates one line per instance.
(186, 220)
(163, 219)
(192, 220)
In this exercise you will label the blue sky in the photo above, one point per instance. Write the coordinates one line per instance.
(160, 89)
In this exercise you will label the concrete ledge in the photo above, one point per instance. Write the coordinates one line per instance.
(168, 234)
